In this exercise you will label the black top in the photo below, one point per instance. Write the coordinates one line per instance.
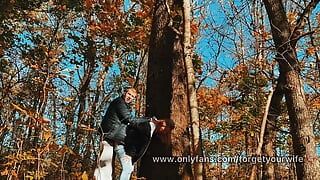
(116, 120)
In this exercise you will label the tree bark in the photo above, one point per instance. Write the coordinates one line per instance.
(192, 94)
(166, 95)
(262, 130)
(301, 124)
(270, 133)
(268, 171)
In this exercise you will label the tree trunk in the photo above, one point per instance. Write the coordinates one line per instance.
(166, 96)
(268, 171)
(262, 130)
(270, 133)
(90, 55)
(192, 94)
(301, 124)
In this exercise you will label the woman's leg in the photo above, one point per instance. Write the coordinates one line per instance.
(126, 162)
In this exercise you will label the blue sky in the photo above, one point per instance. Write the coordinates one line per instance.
(206, 46)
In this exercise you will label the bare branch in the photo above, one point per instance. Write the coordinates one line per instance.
(304, 15)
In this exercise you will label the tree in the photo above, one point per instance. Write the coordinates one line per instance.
(192, 94)
(56, 79)
(301, 124)
(166, 92)
(270, 133)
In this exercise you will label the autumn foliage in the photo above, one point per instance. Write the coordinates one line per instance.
(62, 62)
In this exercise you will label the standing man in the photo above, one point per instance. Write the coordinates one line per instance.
(114, 125)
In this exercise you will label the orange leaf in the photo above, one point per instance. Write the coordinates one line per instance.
(43, 120)
(292, 17)
(84, 176)
(311, 50)
(4, 172)
(194, 28)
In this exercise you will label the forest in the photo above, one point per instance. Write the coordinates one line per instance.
(238, 79)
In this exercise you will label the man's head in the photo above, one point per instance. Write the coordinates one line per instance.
(130, 95)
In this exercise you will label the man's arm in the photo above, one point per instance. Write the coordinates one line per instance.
(126, 117)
